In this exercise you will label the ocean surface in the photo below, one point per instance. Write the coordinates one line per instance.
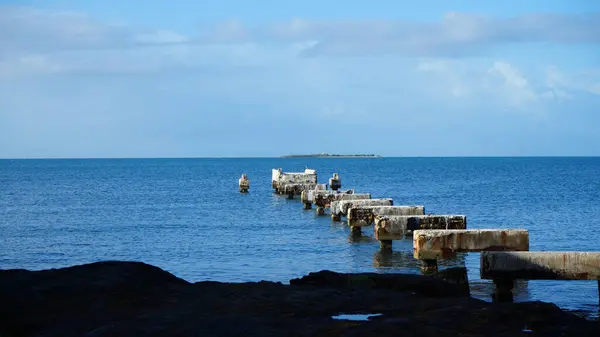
(187, 216)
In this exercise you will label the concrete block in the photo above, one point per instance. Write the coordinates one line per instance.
(540, 265)
(362, 215)
(437, 244)
(244, 183)
(395, 227)
(335, 183)
(340, 207)
(325, 200)
(307, 195)
(280, 179)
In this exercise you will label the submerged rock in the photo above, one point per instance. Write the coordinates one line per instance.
(136, 299)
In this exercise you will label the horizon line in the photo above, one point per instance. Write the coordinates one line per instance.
(300, 157)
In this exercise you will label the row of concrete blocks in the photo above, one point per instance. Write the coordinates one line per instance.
(505, 255)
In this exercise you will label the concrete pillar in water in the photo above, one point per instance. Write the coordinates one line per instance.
(307, 205)
(429, 266)
(385, 245)
(356, 231)
(503, 290)
(244, 184)
(320, 210)
(335, 183)
(336, 217)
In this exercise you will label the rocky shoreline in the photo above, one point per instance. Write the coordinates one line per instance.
(115, 298)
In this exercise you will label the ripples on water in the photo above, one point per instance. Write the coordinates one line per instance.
(187, 217)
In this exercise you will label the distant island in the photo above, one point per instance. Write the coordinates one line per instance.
(327, 155)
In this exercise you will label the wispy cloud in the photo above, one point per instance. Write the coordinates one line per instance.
(455, 34)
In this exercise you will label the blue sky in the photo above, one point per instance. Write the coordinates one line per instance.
(265, 78)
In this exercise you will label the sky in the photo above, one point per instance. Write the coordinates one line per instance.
(237, 78)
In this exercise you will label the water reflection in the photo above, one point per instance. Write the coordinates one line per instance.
(362, 238)
(402, 259)
(483, 290)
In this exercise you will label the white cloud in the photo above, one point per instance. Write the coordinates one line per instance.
(515, 86)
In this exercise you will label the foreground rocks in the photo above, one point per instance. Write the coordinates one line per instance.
(136, 299)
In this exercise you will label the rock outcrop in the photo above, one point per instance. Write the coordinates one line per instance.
(135, 299)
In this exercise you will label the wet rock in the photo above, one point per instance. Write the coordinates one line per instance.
(422, 285)
(136, 299)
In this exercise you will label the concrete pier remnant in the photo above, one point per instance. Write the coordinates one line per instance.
(324, 200)
(433, 244)
(307, 196)
(335, 183)
(275, 174)
(441, 244)
(396, 227)
(244, 183)
(362, 215)
(293, 183)
(505, 267)
(340, 208)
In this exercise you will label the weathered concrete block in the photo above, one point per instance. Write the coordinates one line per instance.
(325, 200)
(244, 183)
(340, 207)
(395, 227)
(280, 179)
(308, 196)
(294, 188)
(275, 174)
(362, 215)
(437, 244)
(540, 265)
(335, 183)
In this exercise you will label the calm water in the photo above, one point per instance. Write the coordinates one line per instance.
(187, 217)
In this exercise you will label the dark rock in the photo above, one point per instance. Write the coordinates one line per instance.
(136, 299)
(422, 285)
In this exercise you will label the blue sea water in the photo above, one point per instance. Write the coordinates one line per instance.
(187, 216)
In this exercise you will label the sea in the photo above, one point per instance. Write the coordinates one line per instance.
(187, 216)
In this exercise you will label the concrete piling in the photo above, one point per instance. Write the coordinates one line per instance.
(396, 227)
(307, 196)
(363, 215)
(429, 266)
(325, 198)
(293, 182)
(505, 267)
(433, 244)
(355, 231)
(503, 291)
(244, 183)
(385, 245)
(541, 265)
(441, 244)
(340, 207)
(335, 183)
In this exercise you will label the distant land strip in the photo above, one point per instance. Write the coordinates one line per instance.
(327, 155)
